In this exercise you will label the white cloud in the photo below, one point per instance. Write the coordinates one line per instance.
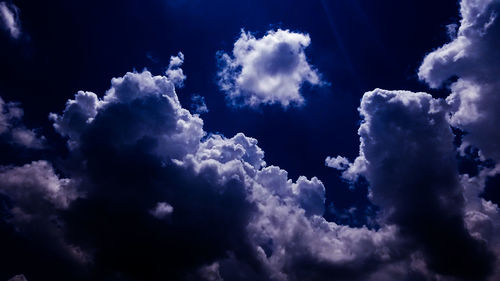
(267, 70)
(174, 72)
(473, 57)
(147, 95)
(162, 210)
(9, 17)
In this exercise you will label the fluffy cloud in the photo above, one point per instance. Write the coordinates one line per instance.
(473, 57)
(267, 70)
(9, 19)
(156, 189)
(407, 156)
(13, 130)
(32, 198)
(174, 72)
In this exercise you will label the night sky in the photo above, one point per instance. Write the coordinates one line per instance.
(249, 140)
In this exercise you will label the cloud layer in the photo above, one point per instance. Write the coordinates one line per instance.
(267, 70)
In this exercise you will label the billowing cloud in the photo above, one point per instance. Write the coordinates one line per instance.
(13, 130)
(149, 187)
(473, 57)
(145, 193)
(407, 156)
(267, 70)
(9, 19)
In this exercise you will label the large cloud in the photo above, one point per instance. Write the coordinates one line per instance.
(152, 196)
(267, 70)
(408, 157)
(474, 58)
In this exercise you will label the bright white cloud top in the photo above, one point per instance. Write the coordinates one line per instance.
(268, 70)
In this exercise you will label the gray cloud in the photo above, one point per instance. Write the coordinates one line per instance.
(267, 70)
(13, 129)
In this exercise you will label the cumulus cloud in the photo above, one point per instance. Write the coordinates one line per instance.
(174, 72)
(408, 157)
(13, 130)
(9, 19)
(267, 70)
(138, 156)
(473, 57)
(147, 194)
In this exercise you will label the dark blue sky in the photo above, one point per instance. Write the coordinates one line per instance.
(356, 46)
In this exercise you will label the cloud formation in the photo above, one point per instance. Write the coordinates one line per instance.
(145, 193)
(149, 187)
(473, 57)
(13, 130)
(9, 19)
(407, 156)
(267, 70)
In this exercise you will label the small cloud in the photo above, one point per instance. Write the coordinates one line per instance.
(9, 19)
(174, 72)
(162, 210)
(268, 70)
(12, 127)
(198, 104)
(19, 277)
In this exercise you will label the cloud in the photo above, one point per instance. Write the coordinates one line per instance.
(32, 197)
(407, 156)
(9, 18)
(174, 72)
(198, 104)
(14, 131)
(162, 210)
(267, 70)
(228, 213)
(18, 278)
(473, 57)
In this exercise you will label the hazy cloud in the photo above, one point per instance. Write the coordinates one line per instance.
(9, 19)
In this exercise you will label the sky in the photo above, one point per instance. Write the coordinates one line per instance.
(249, 140)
